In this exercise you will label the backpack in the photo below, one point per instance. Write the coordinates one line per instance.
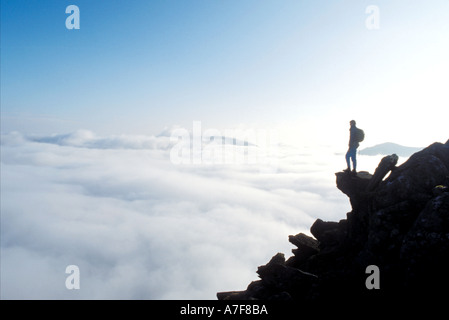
(359, 135)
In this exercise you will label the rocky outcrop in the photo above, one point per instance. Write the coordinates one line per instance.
(399, 224)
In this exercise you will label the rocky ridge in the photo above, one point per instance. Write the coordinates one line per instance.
(399, 223)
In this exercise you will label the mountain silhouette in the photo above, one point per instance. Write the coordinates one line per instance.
(389, 148)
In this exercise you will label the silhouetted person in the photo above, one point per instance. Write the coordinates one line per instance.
(356, 135)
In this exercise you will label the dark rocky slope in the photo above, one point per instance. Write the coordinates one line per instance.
(399, 224)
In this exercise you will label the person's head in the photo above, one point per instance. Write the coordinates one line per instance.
(352, 123)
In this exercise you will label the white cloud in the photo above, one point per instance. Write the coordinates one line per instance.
(140, 227)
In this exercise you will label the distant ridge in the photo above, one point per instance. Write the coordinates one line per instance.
(390, 148)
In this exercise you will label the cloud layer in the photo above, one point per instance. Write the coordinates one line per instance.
(139, 226)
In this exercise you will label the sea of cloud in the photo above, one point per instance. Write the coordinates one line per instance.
(141, 226)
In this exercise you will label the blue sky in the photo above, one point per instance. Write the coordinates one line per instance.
(140, 66)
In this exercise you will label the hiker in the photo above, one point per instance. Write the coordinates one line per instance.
(356, 136)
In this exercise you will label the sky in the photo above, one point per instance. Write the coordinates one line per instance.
(101, 128)
(141, 66)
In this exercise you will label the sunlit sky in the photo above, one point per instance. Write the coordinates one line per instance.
(304, 67)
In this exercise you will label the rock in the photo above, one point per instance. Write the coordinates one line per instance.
(439, 190)
(387, 164)
(354, 186)
(427, 243)
(351, 184)
(328, 233)
(399, 223)
(415, 179)
(280, 278)
(304, 242)
(307, 247)
(232, 295)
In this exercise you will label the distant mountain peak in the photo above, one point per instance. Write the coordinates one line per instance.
(390, 148)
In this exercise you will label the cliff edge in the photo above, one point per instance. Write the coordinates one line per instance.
(394, 243)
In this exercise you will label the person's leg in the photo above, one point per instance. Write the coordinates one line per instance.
(348, 156)
(353, 155)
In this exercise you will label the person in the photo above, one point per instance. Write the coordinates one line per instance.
(353, 145)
